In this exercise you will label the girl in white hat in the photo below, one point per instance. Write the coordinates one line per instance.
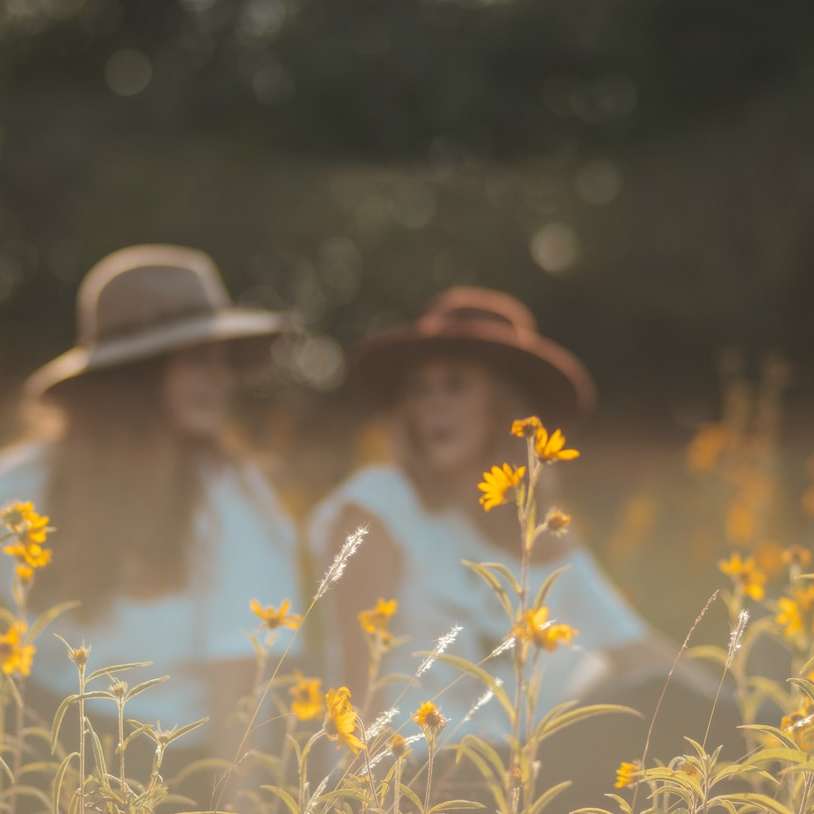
(163, 532)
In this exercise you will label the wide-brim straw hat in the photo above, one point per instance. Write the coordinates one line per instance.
(492, 327)
(146, 301)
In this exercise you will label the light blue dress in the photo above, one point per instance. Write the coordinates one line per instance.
(247, 548)
(436, 591)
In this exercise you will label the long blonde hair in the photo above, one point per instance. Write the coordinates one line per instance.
(123, 488)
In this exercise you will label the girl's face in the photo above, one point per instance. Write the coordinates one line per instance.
(198, 385)
(448, 407)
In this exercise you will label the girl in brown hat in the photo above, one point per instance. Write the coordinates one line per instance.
(163, 533)
(453, 383)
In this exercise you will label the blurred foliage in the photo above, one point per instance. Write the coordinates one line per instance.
(636, 170)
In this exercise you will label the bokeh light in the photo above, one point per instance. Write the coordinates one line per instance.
(128, 72)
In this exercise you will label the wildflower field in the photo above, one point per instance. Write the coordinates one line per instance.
(401, 758)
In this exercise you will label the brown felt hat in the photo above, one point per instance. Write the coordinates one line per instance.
(144, 301)
(491, 326)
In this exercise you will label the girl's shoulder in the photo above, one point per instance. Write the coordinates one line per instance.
(383, 492)
(23, 470)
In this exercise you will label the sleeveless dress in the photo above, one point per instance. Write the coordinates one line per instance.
(246, 549)
(436, 591)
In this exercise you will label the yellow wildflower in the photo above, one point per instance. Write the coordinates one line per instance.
(25, 573)
(551, 448)
(398, 745)
(376, 620)
(769, 558)
(33, 555)
(557, 522)
(799, 726)
(497, 483)
(526, 427)
(794, 613)
(797, 556)
(340, 719)
(789, 617)
(706, 448)
(747, 578)
(306, 698)
(24, 520)
(429, 717)
(15, 655)
(741, 522)
(626, 774)
(535, 626)
(273, 618)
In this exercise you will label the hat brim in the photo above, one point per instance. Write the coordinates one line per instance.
(227, 325)
(557, 384)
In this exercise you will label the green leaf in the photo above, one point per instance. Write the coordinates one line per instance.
(765, 729)
(466, 666)
(202, 765)
(456, 805)
(488, 751)
(59, 777)
(186, 729)
(117, 668)
(5, 767)
(505, 573)
(548, 584)
(709, 653)
(548, 796)
(752, 798)
(145, 685)
(407, 792)
(546, 728)
(98, 754)
(285, 796)
(59, 716)
(45, 618)
(493, 582)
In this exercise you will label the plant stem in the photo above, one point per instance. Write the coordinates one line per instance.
(122, 777)
(397, 786)
(81, 669)
(368, 769)
(430, 762)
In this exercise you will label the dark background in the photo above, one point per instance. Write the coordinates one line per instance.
(638, 171)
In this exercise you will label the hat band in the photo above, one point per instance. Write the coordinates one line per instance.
(100, 332)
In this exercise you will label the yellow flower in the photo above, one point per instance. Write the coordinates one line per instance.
(789, 617)
(740, 522)
(306, 698)
(398, 745)
(551, 637)
(747, 578)
(526, 427)
(799, 726)
(706, 448)
(551, 448)
(24, 520)
(626, 774)
(25, 573)
(557, 522)
(32, 555)
(340, 719)
(429, 717)
(497, 483)
(15, 655)
(794, 613)
(797, 555)
(376, 620)
(273, 618)
(536, 627)
(769, 558)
